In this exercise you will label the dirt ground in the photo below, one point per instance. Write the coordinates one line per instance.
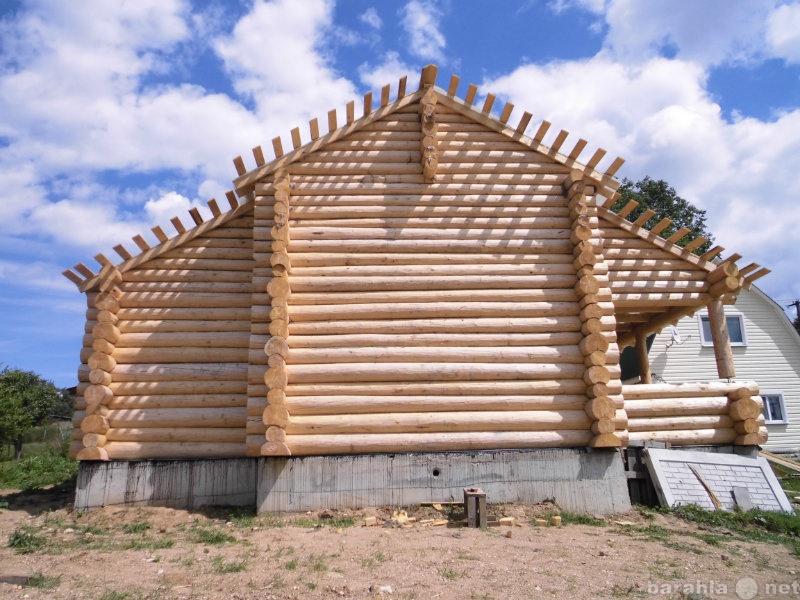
(47, 550)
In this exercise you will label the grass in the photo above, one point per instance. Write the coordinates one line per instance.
(753, 525)
(136, 527)
(336, 522)
(210, 535)
(36, 472)
(26, 541)
(451, 574)
(43, 582)
(223, 567)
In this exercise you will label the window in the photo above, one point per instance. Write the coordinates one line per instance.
(774, 408)
(735, 330)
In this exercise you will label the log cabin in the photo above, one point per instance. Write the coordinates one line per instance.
(425, 276)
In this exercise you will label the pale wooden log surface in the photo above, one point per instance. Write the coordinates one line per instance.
(187, 275)
(142, 373)
(377, 283)
(186, 384)
(177, 434)
(180, 326)
(422, 222)
(179, 417)
(351, 405)
(433, 295)
(172, 300)
(355, 372)
(685, 390)
(509, 245)
(683, 422)
(425, 206)
(178, 401)
(461, 325)
(358, 340)
(177, 354)
(334, 259)
(420, 442)
(461, 421)
(687, 437)
(184, 339)
(424, 235)
(146, 450)
(668, 407)
(428, 310)
(512, 354)
(405, 270)
(182, 313)
(564, 385)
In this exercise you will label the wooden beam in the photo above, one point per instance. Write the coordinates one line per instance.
(214, 207)
(644, 359)
(141, 243)
(628, 208)
(472, 91)
(232, 201)
(453, 88)
(524, 122)
(401, 87)
(644, 217)
(488, 104)
(238, 163)
(351, 111)
(615, 166)
(506, 113)
(367, 103)
(313, 127)
(559, 141)
(123, 253)
(332, 124)
(277, 146)
(159, 233)
(722, 341)
(196, 217)
(712, 253)
(596, 158)
(576, 151)
(385, 90)
(176, 223)
(296, 141)
(258, 154)
(428, 76)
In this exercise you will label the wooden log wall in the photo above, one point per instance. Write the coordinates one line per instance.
(696, 413)
(599, 343)
(431, 316)
(168, 369)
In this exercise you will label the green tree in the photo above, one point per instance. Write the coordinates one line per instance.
(662, 198)
(26, 400)
(797, 324)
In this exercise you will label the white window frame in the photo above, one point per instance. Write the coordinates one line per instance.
(782, 400)
(710, 342)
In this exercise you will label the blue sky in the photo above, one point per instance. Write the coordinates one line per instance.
(117, 116)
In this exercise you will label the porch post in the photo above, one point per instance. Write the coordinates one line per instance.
(721, 339)
(644, 358)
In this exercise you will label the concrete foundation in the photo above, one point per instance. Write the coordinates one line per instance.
(578, 480)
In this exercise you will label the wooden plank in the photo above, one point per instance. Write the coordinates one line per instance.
(296, 141)
(277, 146)
(628, 208)
(367, 103)
(258, 154)
(401, 87)
(615, 166)
(141, 243)
(453, 87)
(238, 163)
(72, 276)
(506, 113)
(472, 91)
(576, 151)
(176, 223)
(214, 207)
(596, 158)
(385, 90)
(123, 253)
(488, 104)
(351, 111)
(196, 217)
(540, 133)
(159, 233)
(524, 122)
(232, 201)
(644, 217)
(313, 126)
(428, 76)
(332, 124)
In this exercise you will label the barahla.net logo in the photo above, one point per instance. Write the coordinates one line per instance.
(745, 588)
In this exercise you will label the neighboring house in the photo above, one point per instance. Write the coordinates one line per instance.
(766, 349)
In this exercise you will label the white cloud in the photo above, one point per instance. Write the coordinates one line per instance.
(420, 19)
(371, 18)
(783, 32)
(390, 70)
(276, 57)
(90, 225)
(710, 32)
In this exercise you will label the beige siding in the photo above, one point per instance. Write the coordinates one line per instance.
(771, 358)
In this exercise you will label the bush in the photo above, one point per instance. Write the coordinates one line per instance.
(37, 471)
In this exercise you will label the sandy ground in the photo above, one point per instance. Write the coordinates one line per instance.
(121, 553)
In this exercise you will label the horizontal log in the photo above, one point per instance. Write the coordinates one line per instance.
(426, 234)
(669, 407)
(178, 417)
(179, 401)
(684, 390)
(177, 354)
(416, 246)
(417, 219)
(343, 258)
(186, 287)
(199, 264)
(461, 421)
(177, 434)
(146, 450)
(302, 445)
(460, 325)
(358, 340)
(171, 300)
(682, 422)
(187, 385)
(455, 295)
(687, 437)
(429, 310)
(164, 373)
(189, 313)
(510, 354)
(350, 405)
(92, 454)
(184, 339)
(442, 282)
(403, 270)
(746, 408)
(188, 275)
(358, 372)
(190, 326)
(439, 388)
